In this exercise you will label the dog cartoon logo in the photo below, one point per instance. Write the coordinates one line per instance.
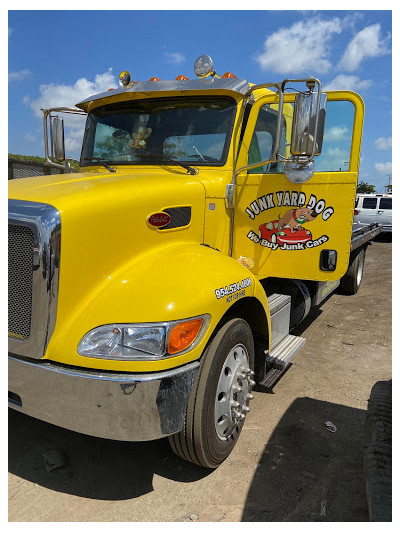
(294, 219)
(289, 229)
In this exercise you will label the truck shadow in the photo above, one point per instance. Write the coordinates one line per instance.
(306, 472)
(94, 468)
(383, 237)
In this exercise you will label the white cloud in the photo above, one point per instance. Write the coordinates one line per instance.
(53, 95)
(29, 137)
(336, 134)
(304, 46)
(367, 43)
(345, 82)
(174, 57)
(384, 143)
(18, 76)
(384, 168)
(333, 159)
(73, 140)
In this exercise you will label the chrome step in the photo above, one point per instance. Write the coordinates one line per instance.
(272, 376)
(279, 309)
(277, 301)
(281, 354)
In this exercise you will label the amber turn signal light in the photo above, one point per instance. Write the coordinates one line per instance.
(182, 335)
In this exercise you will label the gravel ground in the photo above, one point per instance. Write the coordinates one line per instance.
(287, 465)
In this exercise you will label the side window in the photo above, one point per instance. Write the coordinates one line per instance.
(385, 203)
(262, 142)
(369, 203)
(336, 146)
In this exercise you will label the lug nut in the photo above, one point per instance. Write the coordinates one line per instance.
(251, 383)
(236, 388)
(240, 375)
(234, 404)
(246, 370)
(245, 409)
(251, 373)
(250, 396)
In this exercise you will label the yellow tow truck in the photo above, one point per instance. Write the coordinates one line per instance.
(150, 292)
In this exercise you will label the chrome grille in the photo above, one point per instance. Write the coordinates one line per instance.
(34, 266)
(20, 270)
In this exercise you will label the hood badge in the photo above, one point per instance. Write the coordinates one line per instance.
(159, 220)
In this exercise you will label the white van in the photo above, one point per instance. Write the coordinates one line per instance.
(374, 208)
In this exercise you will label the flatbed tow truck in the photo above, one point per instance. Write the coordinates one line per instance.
(151, 291)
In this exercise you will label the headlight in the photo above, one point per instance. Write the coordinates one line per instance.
(130, 342)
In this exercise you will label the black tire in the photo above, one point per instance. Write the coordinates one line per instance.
(378, 452)
(198, 441)
(351, 281)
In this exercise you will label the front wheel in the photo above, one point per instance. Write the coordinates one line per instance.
(219, 401)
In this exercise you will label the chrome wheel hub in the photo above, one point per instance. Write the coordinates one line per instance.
(233, 392)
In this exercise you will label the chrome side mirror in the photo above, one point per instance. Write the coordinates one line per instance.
(308, 124)
(57, 138)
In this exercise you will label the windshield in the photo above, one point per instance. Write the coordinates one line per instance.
(195, 130)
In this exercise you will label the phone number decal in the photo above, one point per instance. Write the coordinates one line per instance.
(236, 289)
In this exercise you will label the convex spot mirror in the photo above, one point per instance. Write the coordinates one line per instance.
(57, 128)
(305, 126)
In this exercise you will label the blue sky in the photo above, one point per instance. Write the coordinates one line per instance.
(56, 58)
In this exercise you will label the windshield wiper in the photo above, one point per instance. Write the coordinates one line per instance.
(101, 161)
(162, 157)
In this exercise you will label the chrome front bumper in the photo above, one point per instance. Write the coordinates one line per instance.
(131, 407)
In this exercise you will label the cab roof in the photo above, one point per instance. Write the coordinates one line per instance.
(235, 85)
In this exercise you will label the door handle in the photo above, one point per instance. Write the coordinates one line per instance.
(380, 212)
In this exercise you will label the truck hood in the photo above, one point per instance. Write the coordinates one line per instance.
(104, 224)
(62, 190)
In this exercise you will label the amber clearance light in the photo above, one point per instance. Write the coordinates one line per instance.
(183, 334)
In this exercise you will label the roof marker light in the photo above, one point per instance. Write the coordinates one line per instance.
(154, 79)
(229, 75)
(181, 77)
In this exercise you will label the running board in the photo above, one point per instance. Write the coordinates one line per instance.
(281, 355)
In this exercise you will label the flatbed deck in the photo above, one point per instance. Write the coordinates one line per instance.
(363, 233)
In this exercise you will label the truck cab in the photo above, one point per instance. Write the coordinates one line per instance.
(150, 291)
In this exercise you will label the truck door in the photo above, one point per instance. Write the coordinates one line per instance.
(284, 227)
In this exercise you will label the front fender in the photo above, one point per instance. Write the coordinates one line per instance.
(169, 283)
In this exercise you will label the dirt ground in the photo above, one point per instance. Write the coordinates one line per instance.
(287, 466)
